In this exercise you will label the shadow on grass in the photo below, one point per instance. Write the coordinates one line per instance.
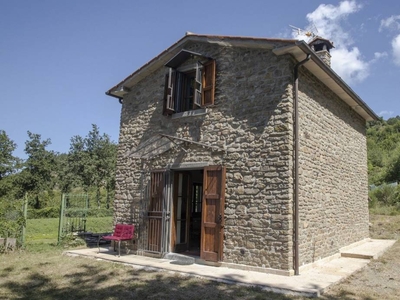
(6, 271)
(96, 282)
(113, 281)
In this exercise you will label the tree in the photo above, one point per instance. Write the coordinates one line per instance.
(37, 175)
(8, 163)
(92, 159)
(383, 140)
(66, 179)
(393, 167)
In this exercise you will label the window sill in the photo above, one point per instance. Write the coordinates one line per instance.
(190, 113)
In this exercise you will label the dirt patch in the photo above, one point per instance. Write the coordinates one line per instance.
(380, 279)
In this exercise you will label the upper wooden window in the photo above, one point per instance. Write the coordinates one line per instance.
(189, 88)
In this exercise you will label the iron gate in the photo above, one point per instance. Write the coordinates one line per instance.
(154, 212)
(73, 214)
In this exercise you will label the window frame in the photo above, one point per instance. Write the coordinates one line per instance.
(204, 87)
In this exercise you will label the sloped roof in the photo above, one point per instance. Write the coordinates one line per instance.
(298, 49)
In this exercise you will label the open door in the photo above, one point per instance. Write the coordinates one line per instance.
(212, 225)
(180, 228)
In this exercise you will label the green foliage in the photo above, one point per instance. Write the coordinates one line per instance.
(70, 240)
(8, 163)
(37, 176)
(385, 199)
(393, 166)
(11, 217)
(9, 166)
(42, 213)
(100, 212)
(45, 175)
(383, 141)
(386, 194)
(91, 162)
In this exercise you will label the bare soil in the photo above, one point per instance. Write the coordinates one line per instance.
(380, 279)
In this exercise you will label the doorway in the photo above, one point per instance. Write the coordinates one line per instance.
(198, 204)
(187, 212)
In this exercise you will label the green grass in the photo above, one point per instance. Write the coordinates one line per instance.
(51, 275)
(47, 274)
(43, 232)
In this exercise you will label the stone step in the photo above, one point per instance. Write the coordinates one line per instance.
(368, 249)
(356, 255)
(179, 259)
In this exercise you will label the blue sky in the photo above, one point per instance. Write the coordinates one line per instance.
(57, 58)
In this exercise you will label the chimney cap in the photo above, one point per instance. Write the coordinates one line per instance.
(319, 40)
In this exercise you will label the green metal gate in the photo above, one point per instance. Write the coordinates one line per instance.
(73, 214)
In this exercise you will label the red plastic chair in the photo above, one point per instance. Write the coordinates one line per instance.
(121, 233)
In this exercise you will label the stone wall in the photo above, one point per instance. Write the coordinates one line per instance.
(333, 172)
(252, 120)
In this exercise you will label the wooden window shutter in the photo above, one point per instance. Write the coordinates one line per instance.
(198, 85)
(169, 103)
(207, 96)
(165, 95)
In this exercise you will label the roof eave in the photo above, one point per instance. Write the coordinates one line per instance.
(167, 54)
(329, 77)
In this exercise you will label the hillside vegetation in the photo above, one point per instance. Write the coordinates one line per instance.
(383, 141)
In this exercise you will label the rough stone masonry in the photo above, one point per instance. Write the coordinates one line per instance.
(252, 120)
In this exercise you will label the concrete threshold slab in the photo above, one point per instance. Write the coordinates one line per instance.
(370, 249)
(311, 282)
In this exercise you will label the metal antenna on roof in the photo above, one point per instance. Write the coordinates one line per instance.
(310, 32)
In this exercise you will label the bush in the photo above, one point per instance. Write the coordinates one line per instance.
(100, 212)
(11, 218)
(385, 200)
(54, 212)
(385, 194)
(44, 213)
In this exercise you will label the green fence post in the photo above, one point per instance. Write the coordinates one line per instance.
(25, 209)
(61, 220)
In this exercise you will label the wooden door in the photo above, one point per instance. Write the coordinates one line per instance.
(212, 225)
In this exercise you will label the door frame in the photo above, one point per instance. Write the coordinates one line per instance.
(213, 204)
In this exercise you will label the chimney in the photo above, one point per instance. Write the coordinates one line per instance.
(322, 47)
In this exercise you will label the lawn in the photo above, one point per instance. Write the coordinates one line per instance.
(47, 274)
(51, 275)
(43, 233)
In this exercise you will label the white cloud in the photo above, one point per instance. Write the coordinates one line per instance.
(393, 23)
(379, 55)
(346, 60)
(349, 64)
(386, 113)
(396, 49)
(327, 18)
(390, 23)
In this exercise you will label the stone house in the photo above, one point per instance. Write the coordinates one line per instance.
(245, 152)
